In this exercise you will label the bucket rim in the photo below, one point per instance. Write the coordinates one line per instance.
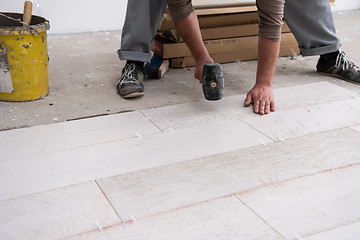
(35, 29)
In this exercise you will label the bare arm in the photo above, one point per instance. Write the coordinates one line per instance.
(261, 94)
(271, 13)
(189, 30)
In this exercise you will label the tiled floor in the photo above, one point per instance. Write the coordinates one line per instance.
(184, 168)
(203, 170)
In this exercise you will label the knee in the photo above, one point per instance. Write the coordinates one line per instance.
(180, 9)
(271, 15)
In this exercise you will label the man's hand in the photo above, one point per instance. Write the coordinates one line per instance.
(262, 99)
(200, 66)
(261, 95)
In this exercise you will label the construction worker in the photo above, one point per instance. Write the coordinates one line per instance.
(310, 21)
(141, 22)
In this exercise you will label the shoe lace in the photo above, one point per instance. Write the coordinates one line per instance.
(345, 62)
(129, 75)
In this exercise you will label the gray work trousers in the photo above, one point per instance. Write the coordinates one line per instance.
(310, 21)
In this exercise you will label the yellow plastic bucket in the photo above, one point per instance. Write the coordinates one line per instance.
(23, 58)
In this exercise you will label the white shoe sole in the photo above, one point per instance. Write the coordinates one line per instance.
(134, 95)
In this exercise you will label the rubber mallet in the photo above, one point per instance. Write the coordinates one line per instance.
(213, 81)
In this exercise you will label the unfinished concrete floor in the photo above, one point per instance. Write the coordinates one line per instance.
(176, 166)
(84, 69)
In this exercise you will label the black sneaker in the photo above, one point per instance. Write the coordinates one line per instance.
(342, 68)
(130, 84)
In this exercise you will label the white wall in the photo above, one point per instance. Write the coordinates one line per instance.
(69, 16)
(345, 5)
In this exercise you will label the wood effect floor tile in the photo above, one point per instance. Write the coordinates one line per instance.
(201, 113)
(221, 219)
(161, 189)
(348, 232)
(307, 206)
(26, 175)
(56, 214)
(298, 122)
(357, 128)
(60, 136)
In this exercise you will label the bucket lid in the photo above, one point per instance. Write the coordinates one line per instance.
(10, 25)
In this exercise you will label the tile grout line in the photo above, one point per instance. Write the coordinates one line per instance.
(331, 229)
(300, 177)
(266, 184)
(259, 216)
(352, 126)
(81, 146)
(303, 107)
(122, 221)
(273, 140)
(151, 121)
(212, 199)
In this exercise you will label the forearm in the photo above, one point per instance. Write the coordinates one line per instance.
(261, 94)
(271, 15)
(268, 55)
(189, 30)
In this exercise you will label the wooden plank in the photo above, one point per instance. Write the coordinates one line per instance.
(26, 175)
(204, 112)
(220, 15)
(244, 30)
(292, 123)
(236, 55)
(56, 214)
(222, 8)
(225, 10)
(207, 21)
(228, 45)
(157, 190)
(174, 50)
(234, 31)
(73, 134)
(225, 218)
(306, 206)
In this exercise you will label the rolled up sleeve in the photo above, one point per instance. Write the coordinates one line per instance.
(180, 9)
(271, 14)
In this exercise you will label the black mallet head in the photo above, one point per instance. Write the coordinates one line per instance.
(213, 81)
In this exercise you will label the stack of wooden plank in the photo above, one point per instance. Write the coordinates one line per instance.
(230, 33)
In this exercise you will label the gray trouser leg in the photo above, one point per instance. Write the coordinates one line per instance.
(312, 24)
(141, 22)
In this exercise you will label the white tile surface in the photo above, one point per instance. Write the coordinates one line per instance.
(73, 134)
(161, 189)
(357, 128)
(221, 219)
(168, 180)
(201, 113)
(306, 206)
(292, 123)
(348, 232)
(56, 214)
(26, 175)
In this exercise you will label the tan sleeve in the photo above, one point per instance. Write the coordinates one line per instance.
(271, 14)
(180, 9)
